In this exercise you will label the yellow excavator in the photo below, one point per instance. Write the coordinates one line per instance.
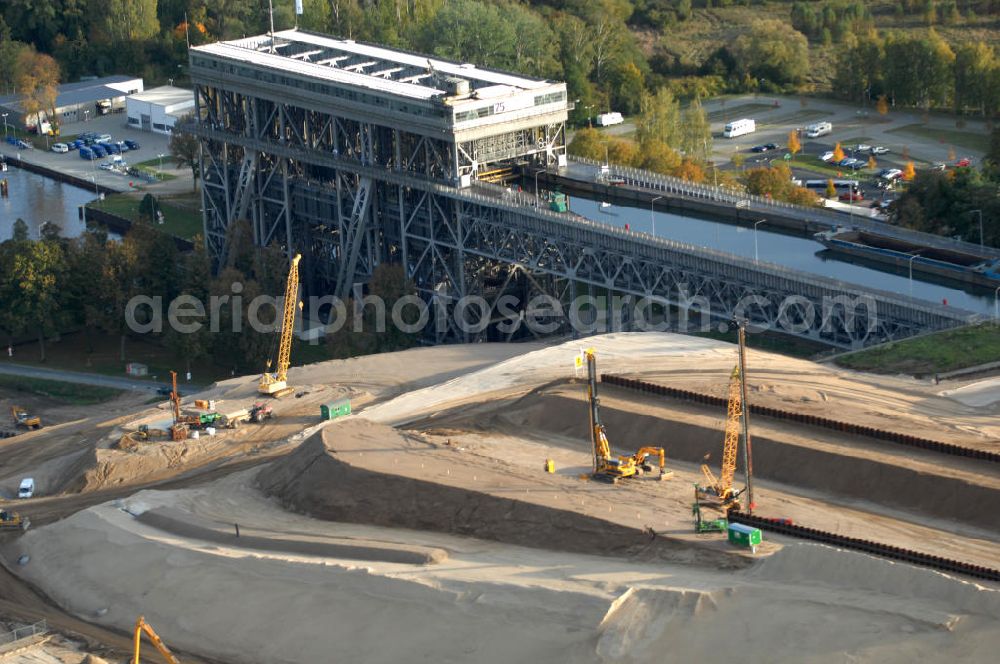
(13, 521)
(273, 384)
(609, 468)
(142, 626)
(23, 419)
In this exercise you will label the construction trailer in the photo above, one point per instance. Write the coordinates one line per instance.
(335, 409)
(743, 536)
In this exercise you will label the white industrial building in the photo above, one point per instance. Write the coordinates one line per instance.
(76, 102)
(157, 109)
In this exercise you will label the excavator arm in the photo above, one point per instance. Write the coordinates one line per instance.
(142, 626)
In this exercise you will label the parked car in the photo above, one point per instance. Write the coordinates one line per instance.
(878, 149)
(132, 145)
(61, 148)
(98, 151)
(87, 153)
(857, 165)
(103, 138)
(852, 196)
(890, 173)
(961, 163)
(847, 162)
(826, 156)
(862, 147)
(111, 148)
(122, 146)
(27, 488)
(939, 166)
(24, 145)
(764, 148)
(106, 166)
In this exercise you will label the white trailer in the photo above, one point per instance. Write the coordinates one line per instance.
(739, 128)
(818, 129)
(608, 119)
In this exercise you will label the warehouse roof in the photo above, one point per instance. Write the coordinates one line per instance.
(375, 67)
(165, 95)
(80, 92)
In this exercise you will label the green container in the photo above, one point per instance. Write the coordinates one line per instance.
(335, 409)
(557, 202)
(744, 536)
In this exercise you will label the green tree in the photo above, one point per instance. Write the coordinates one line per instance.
(186, 150)
(19, 232)
(773, 51)
(657, 156)
(919, 69)
(831, 189)
(659, 118)
(976, 71)
(10, 53)
(588, 143)
(37, 270)
(627, 84)
(695, 131)
(119, 21)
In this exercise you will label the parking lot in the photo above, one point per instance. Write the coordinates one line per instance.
(151, 146)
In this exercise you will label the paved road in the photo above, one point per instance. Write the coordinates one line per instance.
(79, 377)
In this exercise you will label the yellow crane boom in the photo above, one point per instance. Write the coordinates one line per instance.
(723, 486)
(274, 384)
(142, 626)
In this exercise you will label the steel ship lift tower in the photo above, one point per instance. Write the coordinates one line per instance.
(347, 152)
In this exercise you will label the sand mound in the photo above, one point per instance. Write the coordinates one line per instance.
(326, 478)
(191, 527)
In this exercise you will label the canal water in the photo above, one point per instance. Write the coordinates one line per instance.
(38, 199)
(798, 253)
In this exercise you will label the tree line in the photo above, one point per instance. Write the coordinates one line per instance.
(954, 202)
(922, 71)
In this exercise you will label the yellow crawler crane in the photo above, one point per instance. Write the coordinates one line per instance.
(273, 384)
(721, 490)
(609, 468)
(142, 626)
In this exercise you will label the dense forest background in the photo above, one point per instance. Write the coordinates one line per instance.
(922, 53)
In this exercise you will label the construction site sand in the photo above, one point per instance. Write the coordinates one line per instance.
(78, 456)
(495, 602)
(487, 602)
(364, 472)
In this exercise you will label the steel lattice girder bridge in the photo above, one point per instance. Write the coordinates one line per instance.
(352, 173)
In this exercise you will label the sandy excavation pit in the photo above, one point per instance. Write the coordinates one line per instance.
(444, 540)
(360, 471)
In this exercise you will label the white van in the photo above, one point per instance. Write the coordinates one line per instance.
(739, 128)
(818, 129)
(27, 488)
(608, 119)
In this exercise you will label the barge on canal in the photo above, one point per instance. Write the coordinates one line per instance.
(963, 266)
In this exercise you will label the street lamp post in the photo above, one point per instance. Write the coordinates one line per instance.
(996, 304)
(910, 264)
(756, 223)
(159, 173)
(5, 125)
(652, 219)
(536, 185)
(980, 213)
(86, 114)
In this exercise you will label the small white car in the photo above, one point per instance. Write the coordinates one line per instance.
(862, 147)
(61, 148)
(878, 149)
(27, 488)
(103, 138)
(892, 174)
(826, 156)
